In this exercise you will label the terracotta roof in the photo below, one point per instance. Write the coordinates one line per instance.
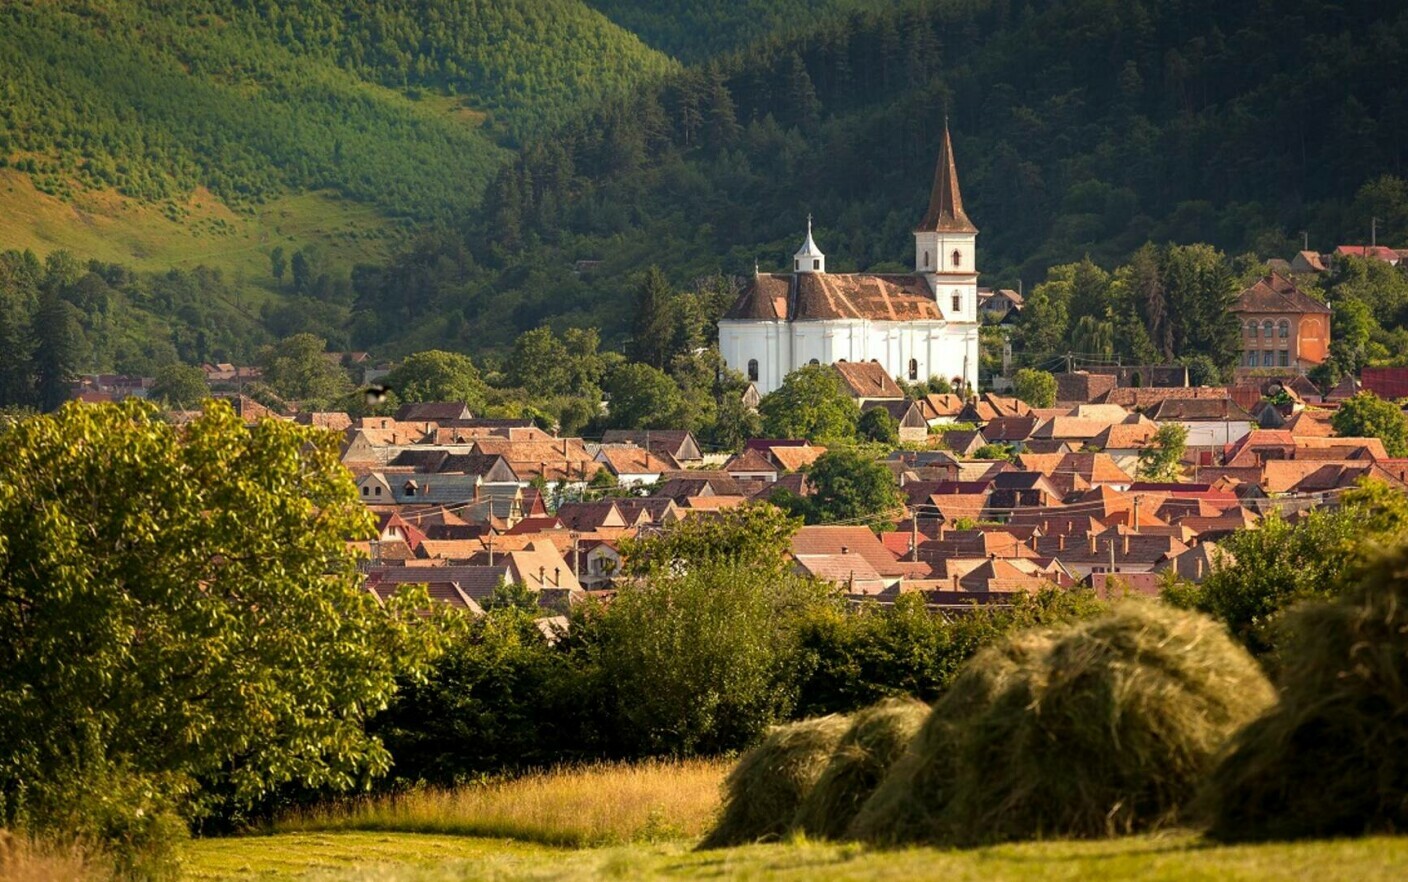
(856, 540)
(810, 296)
(750, 462)
(1199, 409)
(1141, 398)
(1010, 428)
(868, 379)
(628, 459)
(1276, 293)
(433, 411)
(1125, 436)
(1310, 423)
(852, 571)
(766, 296)
(1381, 252)
(945, 213)
(1097, 468)
(792, 458)
(941, 405)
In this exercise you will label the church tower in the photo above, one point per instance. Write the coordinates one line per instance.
(809, 258)
(945, 243)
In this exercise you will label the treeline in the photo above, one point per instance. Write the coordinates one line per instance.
(1082, 127)
(60, 317)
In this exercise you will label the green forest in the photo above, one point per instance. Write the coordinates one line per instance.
(577, 156)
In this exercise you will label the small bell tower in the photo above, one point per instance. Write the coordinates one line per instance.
(945, 243)
(809, 258)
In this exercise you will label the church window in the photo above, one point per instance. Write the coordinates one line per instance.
(957, 258)
(796, 264)
(914, 369)
(813, 361)
(816, 264)
(926, 260)
(957, 303)
(753, 370)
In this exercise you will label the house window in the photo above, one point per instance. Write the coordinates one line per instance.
(957, 303)
(1283, 328)
(1251, 330)
(1251, 359)
(753, 370)
(377, 492)
(914, 368)
(1283, 358)
(410, 489)
(1267, 329)
(957, 258)
(1266, 358)
(366, 490)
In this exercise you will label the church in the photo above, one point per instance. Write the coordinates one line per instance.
(917, 326)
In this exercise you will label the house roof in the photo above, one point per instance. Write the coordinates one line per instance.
(855, 540)
(1276, 293)
(1199, 409)
(1381, 252)
(750, 461)
(868, 379)
(945, 213)
(433, 411)
(627, 459)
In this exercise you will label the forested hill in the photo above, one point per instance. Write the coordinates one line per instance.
(1081, 126)
(250, 99)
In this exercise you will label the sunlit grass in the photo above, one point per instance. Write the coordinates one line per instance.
(24, 860)
(572, 806)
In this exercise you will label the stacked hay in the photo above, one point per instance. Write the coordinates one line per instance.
(877, 737)
(762, 793)
(1331, 758)
(908, 803)
(1104, 727)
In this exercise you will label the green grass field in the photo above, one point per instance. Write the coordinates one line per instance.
(410, 857)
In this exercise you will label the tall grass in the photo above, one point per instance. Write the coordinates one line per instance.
(25, 860)
(576, 806)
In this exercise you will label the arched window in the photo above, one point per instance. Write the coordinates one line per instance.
(1283, 328)
(957, 302)
(753, 370)
(1251, 329)
(813, 361)
(914, 369)
(366, 490)
(957, 258)
(1268, 330)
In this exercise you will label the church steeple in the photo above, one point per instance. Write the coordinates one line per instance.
(809, 258)
(945, 214)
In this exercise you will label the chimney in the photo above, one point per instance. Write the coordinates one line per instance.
(955, 582)
(564, 446)
(1198, 567)
(1126, 544)
(557, 576)
(1061, 542)
(542, 577)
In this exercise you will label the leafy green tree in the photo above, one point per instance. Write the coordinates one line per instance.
(179, 386)
(995, 450)
(1353, 325)
(1366, 415)
(644, 398)
(755, 535)
(1037, 388)
(16, 352)
(185, 616)
(1162, 457)
(539, 363)
(849, 486)
(298, 369)
(734, 422)
(876, 424)
(811, 403)
(701, 661)
(1277, 564)
(436, 375)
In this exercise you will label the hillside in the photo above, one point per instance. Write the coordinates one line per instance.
(317, 122)
(1081, 127)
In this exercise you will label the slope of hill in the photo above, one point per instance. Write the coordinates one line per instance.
(1081, 127)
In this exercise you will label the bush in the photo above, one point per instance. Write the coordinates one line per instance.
(1109, 731)
(1331, 758)
(878, 736)
(765, 789)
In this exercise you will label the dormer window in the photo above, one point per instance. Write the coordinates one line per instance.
(366, 490)
(957, 258)
(376, 491)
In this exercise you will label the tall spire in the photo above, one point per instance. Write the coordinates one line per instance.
(945, 214)
(809, 258)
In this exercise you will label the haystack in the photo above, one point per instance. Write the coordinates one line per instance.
(1114, 736)
(908, 804)
(1331, 758)
(877, 737)
(762, 793)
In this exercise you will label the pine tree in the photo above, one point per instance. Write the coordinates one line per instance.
(16, 379)
(56, 350)
(654, 326)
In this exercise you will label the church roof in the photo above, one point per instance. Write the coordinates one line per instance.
(813, 296)
(945, 214)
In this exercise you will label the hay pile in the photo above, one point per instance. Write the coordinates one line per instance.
(762, 793)
(908, 803)
(877, 737)
(1101, 728)
(1331, 758)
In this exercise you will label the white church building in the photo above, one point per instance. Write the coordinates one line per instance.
(917, 326)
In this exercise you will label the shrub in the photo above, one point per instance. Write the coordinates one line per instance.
(878, 736)
(1332, 757)
(763, 792)
(1111, 730)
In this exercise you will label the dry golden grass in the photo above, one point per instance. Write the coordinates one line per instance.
(24, 860)
(571, 806)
